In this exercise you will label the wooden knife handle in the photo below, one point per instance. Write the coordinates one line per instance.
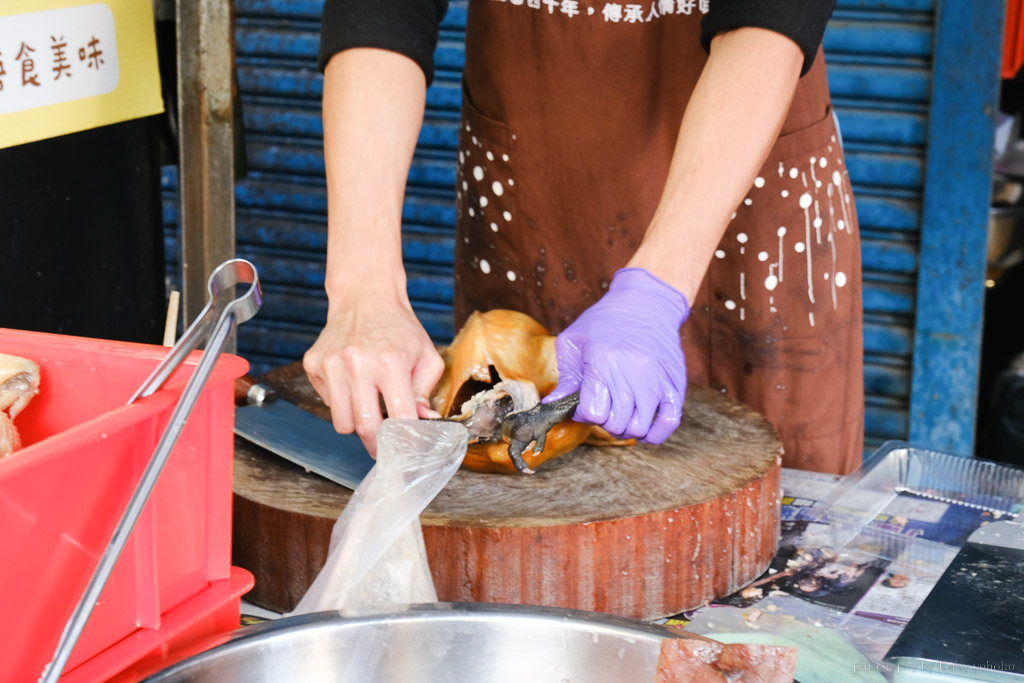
(249, 391)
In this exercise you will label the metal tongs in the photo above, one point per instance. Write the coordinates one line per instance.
(216, 321)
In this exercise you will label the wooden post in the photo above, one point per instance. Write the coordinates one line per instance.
(206, 56)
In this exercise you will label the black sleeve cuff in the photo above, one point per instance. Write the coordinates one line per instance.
(408, 27)
(803, 21)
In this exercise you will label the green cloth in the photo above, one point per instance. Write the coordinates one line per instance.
(824, 656)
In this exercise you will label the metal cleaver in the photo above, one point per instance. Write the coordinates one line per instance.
(298, 435)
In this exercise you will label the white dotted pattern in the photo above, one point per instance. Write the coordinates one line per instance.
(823, 203)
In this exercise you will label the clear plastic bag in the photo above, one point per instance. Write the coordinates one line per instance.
(376, 558)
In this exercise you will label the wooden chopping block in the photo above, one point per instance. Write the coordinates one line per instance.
(643, 531)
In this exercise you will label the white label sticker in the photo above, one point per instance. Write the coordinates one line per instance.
(57, 56)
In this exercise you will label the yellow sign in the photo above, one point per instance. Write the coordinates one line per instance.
(71, 65)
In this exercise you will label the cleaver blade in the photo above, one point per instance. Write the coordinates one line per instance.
(969, 626)
(298, 435)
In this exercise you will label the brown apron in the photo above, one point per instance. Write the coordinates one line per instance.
(569, 120)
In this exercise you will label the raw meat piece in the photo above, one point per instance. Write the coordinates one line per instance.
(496, 355)
(705, 661)
(19, 382)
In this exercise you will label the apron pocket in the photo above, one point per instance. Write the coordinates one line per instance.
(789, 261)
(487, 212)
(785, 288)
(481, 126)
(817, 135)
(486, 184)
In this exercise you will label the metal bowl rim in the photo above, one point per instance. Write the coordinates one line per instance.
(224, 644)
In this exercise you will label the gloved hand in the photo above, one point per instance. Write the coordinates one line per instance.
(623, 356)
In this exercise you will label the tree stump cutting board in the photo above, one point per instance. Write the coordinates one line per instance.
(642, 531)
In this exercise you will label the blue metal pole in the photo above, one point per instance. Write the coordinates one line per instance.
(950, 292)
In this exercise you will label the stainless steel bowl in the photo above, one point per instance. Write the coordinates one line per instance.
(474, 643)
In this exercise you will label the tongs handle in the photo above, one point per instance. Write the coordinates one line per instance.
(232, 313)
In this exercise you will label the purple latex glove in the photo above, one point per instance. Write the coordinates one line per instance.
(624, 357)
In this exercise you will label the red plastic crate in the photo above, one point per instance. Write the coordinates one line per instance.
(62, 495)
(212, 612)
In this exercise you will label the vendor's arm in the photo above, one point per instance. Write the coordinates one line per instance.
(372, 345)
(623, 353)
(757, 51)
(730, 125)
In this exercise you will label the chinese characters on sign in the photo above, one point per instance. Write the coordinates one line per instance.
(93, 55)
(28, 66)
(616, 12)
(56, 56)
(71, 65)
(61, 65)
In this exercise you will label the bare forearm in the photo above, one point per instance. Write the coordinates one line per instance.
(373, 109)
(372, 346)
(733, 119)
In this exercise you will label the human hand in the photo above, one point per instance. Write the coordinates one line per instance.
(373, 347)
(623, 355)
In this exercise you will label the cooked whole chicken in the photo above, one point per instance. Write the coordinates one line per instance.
(19, 382)
(499, 365)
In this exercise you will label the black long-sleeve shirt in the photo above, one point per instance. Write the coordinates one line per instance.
(410, 27)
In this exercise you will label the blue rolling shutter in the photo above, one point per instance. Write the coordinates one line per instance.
(904, 75)
(880, 77)
(881, 55)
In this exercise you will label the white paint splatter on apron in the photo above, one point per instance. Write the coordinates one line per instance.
(817, 222)
(827, 224)
(781, 233)
(805, 203)
(843, 203)
(480, 196)
(832, 280)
